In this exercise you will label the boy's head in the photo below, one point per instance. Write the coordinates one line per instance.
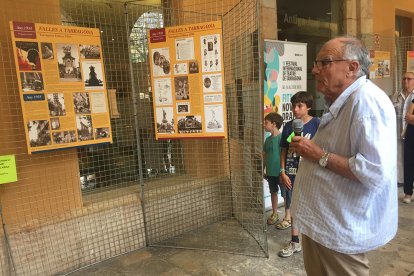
(302, 102)
(273, 120)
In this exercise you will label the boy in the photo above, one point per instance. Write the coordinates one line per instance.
(271, 154)
(289, 162)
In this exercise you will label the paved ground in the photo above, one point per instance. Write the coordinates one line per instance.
(396, 258)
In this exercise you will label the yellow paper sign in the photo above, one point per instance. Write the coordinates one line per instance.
(8, 171)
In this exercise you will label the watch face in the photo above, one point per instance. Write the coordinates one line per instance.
(323, 161)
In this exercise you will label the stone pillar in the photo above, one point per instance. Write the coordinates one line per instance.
(268, 19)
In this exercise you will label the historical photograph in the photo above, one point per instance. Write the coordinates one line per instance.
(211, 53)
(64, 137)
(28, 57)
(81, 102)
(163, 91)
(184, 48)
(56, 104)
(68, 62)
(161, 62)
(189, 124)
(182, 89)
(183, 108)
(102, 132)
(165, 120)
(90, 51)
(212, 83)
(193, 65)
(214, 118)
(55, 123)
(31, 81)
(93, 75)
(39, 133)
(84, 126)
(47, 50)
(180, 68)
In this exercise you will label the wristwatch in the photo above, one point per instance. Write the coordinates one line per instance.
(323, 162)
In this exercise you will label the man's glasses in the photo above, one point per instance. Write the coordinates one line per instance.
(407, 79)
(323, 63)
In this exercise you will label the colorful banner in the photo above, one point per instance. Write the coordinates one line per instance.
(285, 74)
(410, 61)
(62, 86)
(380, 67)
(187, 78)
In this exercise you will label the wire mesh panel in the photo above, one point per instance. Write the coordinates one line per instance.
(72, 207)
(202, 205)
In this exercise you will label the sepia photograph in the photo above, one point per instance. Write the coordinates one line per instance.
(55, 123)
(47, 50)
(31, 81)
(183, 108)
(161, 62)
(81, 102)
(193, 65)
(180, 68)
(93, 75)
(28, 57)
(84, 127)
(90, 51)
(182, 89)
(39, 133)
(102, 132)
(189, 124)
(68, 62)
(56, 104)
(165, 120)
(64, 137)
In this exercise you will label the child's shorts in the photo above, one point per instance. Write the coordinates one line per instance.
(274, 185)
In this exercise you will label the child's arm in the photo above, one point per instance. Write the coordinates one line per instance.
(284, 179)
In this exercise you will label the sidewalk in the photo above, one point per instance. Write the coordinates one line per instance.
(396, 258)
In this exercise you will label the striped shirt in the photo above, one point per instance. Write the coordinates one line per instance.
(341, 214)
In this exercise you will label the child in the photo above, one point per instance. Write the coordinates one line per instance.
(301, 104)
(271, 154)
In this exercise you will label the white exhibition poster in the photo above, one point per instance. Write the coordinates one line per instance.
(285, 74)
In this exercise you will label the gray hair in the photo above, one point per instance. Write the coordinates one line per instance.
(354, 49)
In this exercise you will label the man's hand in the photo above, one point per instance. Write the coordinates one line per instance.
(306, 148)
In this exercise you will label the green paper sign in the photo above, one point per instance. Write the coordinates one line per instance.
(8, 172)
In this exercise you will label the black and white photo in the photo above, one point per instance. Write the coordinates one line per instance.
(182, 88)
(189, 124)
(56, 104)
(31, 81)
(68, 62)
(90, 51)
(165, 120)
(47, 50)
(93, 75)
(81, 102)
(84, 127)
(39, 133)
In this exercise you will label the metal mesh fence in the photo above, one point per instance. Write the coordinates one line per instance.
(74, 207)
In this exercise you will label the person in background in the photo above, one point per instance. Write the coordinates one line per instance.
(289, 163)
(401, 100)
(346, 204)
(409, 154)
(271, 153)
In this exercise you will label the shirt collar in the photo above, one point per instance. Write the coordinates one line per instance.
(333, 108)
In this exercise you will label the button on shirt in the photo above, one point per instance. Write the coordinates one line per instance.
(341, 214)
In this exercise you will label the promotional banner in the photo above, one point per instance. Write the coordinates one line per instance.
(380, 67)
(410, 61)
(187, 77)
(61, 85)
(285, 74)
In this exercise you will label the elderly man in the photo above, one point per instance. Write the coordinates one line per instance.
(401, 100)
(347, 201)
